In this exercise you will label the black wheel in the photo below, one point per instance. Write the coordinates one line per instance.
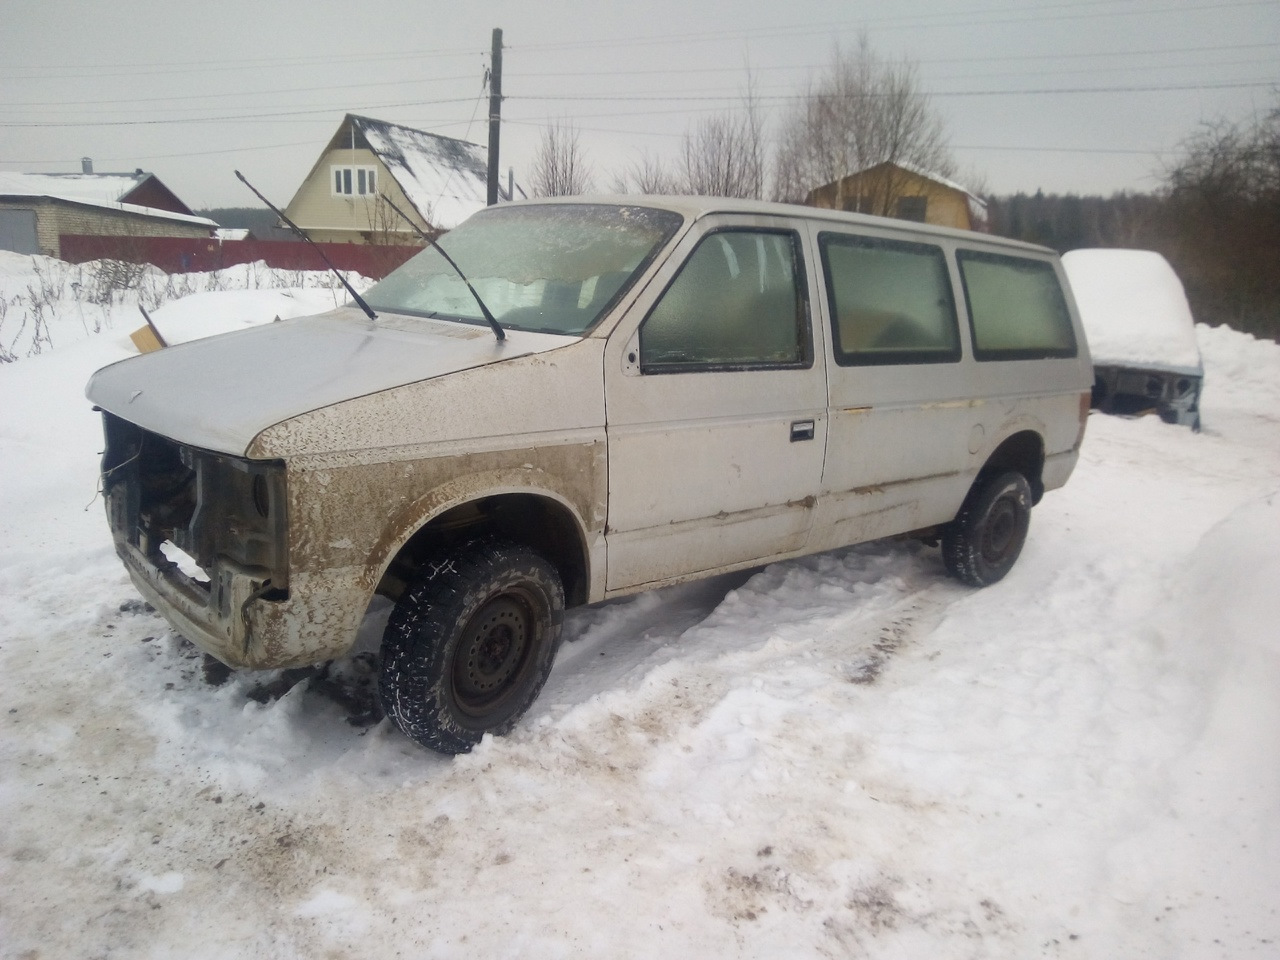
(981, 544)
(470, 643)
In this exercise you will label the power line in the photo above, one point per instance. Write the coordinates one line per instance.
(170, 156)
(1044, 91)
(284, 110)
(247, 118)
(1090, 150)
(221, 96)
(581, 98)
(93, 72)
(1016, 58)
(1097, 9)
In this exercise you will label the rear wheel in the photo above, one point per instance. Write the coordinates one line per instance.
(981, 545)
(470, 643)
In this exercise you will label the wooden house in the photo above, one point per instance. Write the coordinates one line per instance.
(438, 181)
(900, 191)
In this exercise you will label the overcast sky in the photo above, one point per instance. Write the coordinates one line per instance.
(1089, 96)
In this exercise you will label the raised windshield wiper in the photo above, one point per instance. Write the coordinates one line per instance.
(298, 230)
(493, 322)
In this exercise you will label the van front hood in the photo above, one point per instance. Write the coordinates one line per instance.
(221, 392)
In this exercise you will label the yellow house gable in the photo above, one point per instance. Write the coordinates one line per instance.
(437, 181)
(890, 190)
(340, 201)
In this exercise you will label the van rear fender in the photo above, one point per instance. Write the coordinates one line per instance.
(1022, 451)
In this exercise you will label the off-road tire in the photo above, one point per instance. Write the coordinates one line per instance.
(470, 644)
(980, 546)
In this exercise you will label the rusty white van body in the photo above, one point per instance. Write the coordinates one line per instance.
(687, 386)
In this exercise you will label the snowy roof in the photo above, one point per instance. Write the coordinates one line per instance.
(1133, 308)
(83, 187)
(445, 179)
(103, 190)
(977, 206)
(937, 178)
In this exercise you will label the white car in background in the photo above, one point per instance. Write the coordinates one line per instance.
(1141, 334)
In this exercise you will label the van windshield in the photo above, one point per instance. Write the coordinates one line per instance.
(551, 268)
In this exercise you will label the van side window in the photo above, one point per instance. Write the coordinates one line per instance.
(890, 301)
(1016, 307)
(738, 301)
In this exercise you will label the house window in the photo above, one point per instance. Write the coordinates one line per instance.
(354, 181)
(912, 208)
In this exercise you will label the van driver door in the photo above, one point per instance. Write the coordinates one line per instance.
(716, 408)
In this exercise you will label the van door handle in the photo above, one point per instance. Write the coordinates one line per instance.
(801, 430)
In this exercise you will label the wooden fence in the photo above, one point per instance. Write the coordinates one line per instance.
(200, 255)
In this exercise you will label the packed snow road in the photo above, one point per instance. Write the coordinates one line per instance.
(843, 756)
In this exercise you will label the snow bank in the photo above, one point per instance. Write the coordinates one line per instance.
(46, 304)
(1134, 309)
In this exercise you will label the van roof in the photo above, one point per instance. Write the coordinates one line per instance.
(696, 207)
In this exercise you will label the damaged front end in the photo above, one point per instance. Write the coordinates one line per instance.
(1135, 391)
(203, 535)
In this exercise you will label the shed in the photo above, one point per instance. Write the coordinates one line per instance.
(899, 190)
(36, 209)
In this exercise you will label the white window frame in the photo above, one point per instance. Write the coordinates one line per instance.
(348, 180)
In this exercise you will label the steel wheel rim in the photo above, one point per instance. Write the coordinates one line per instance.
(999, 530)
(492, 653)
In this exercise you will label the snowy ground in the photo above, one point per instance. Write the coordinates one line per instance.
(844, 756)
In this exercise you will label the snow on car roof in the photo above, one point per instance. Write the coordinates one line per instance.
(1134, 309)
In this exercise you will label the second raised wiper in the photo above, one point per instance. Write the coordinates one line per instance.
(493, 322)
(298, 230)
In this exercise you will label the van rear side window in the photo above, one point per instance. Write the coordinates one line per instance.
(890, 301)
(1016, 307)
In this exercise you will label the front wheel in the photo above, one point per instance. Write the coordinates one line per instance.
(470, 644)
(981, 544)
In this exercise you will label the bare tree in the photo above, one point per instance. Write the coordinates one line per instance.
(724, 154)
(647, 175)
(861, 111)
(1223, 220)
(559, 166)
(1229, 163)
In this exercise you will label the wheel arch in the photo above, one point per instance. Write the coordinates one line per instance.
(1022, 451)
(540, 519)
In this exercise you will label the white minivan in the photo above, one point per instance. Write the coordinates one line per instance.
(587, 398)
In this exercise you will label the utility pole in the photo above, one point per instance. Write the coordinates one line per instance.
(495, 112)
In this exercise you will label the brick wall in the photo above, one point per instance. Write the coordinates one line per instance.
(55, 218)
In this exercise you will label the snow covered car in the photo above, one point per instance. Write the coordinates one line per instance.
(587, 399)
(1141, 334)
